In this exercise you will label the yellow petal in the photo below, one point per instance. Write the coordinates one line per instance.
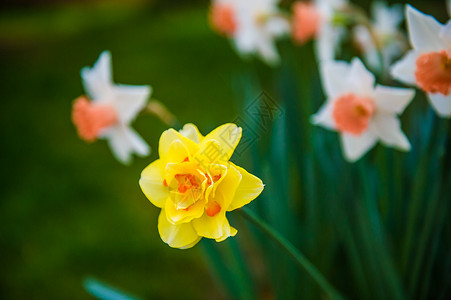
(217, 226)
(232, 232)
(190, 131)
(218, 145)
(169, 136)
(250, 187)
(151, 183)
(176, 236)
(177, 216)
(177, 152)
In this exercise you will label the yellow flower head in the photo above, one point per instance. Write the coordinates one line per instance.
(195, 184)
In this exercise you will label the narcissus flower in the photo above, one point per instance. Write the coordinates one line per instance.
(109, 110)
(253, 25)
(385, 37)
(195, 184)
(315, 19)
(428, 65)
(362, 112)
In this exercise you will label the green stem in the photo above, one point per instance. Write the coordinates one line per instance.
(293, 252)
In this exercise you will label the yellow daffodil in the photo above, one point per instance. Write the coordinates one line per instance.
(195, 184)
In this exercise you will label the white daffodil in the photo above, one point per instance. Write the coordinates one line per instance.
(428, 64)
(362, 112)
(386, 37)
(110, 109)
(253, 25)
(316, 19)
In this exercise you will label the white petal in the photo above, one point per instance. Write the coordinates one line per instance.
(356, 146)
(441, 104)
(445, 34)
(119, 143)
(97, 80)
(327, 41)
(267, 50)
(277, 26)
(360, 78)
(392, 99)
(129, 100)
(365, 41)
(334, 77)
(423, 30)
(388, 128)
(137, 144)
(404, 69)
(324, 116)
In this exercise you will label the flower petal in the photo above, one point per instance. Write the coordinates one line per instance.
(119, 143)
(190, 131)
(324, 116)
(178, 216)
(151, 183)
(170, 136)
(392, 99)
(130, 100)
(441, 104)
(137, 144)
(388, 128)
(356, 146)
(404, 69)
(334, 77)
(249, 188)
(423, 30)
(177, 152)
(217, 226)
(98, 79)
(176, 236)
(360, 78)
(218, 145)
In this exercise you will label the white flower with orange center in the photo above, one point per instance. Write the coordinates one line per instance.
(315, 19)
(428, 65)
(253, 25)
(109, 110)
(195, 184)
(361, 111)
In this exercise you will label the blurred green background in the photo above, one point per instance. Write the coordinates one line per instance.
(67, 208)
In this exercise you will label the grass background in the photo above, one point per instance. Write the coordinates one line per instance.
(67, 208)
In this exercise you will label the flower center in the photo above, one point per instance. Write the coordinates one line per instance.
(185, 190)
(352, 113)
(433, 72)
(306, 21)
(222, 18)
(90, 119)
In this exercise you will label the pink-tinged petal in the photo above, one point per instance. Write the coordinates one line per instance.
(388, 128)
(441, 104)
(355, 146)
(151, 183)
(424, 31)
(176, 236)
(324, 116)
(404, 69)
(129, 100)
(360, 78)
(334, 77)
(392, 99)
(98, 79)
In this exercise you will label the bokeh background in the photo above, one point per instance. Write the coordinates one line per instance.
(69, 210)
